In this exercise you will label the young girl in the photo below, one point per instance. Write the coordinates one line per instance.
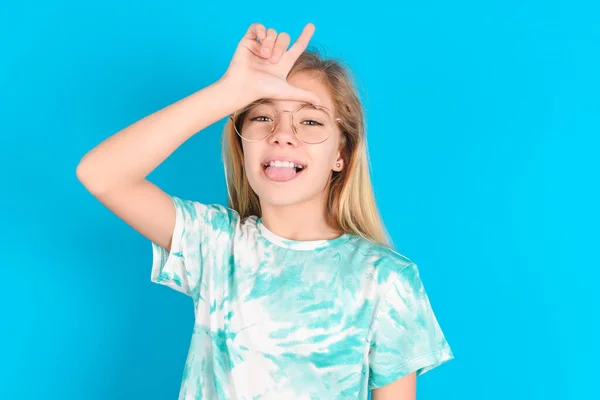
(297, 292)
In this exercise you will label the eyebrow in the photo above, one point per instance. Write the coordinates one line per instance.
(271, 102)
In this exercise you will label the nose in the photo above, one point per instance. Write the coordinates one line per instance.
(283, 132)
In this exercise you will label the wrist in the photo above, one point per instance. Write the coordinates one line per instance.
(238, 92)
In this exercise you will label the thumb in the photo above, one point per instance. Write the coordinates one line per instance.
(290, 92)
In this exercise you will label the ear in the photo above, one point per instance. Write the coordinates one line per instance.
(338, 165)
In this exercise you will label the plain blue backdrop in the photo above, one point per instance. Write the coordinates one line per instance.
(483, 124)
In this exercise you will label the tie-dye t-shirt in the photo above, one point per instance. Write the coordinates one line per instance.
(284, 319)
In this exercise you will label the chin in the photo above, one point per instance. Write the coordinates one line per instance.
(305, 188)
(281, 195)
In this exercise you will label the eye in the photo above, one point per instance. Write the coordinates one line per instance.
(261, 118)
(312, 122)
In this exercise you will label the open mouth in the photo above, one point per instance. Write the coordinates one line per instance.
(282, 171)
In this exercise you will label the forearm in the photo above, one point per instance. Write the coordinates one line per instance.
(134, 152)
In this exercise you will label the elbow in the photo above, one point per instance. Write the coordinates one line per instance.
(85, 174)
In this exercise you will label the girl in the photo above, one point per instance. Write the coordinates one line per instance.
(297, 292)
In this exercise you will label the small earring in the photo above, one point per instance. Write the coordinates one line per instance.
(338, 165)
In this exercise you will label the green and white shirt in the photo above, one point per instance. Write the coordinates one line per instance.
(284, 319)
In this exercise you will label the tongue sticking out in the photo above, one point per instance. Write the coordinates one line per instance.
(280, 174)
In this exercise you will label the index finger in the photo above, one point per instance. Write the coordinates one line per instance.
(302, 42)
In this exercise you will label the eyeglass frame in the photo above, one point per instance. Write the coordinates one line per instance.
(292, 112)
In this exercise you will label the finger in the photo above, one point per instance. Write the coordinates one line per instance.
(268, 43)
(302, 42)
(295, 93)
(281, 44)
(249, 41)
(256, 30)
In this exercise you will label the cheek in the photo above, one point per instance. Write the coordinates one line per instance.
(320, 172)
(250, 155)
(252, 160)
(324, 158)
(321, 165)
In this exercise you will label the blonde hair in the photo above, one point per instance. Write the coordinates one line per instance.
(351, 204)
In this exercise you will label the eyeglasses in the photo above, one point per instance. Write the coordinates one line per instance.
(311, 124)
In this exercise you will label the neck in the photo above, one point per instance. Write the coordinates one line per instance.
(299, 221)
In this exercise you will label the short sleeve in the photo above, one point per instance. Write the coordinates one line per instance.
(199, 230)
(406, 336)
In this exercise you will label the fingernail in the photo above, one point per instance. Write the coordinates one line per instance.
(275, 55)
(264, 51)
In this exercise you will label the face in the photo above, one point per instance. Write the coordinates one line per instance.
(279, 183)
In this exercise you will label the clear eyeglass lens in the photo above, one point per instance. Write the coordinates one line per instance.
(313, 124)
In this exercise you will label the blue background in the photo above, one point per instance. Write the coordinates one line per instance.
(483, 124)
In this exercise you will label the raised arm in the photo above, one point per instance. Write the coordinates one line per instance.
(115, 171)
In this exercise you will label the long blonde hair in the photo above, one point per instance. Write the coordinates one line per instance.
(351, 204)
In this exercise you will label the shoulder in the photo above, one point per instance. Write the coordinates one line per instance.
(211, 216)
(198, 209)
(384, 264)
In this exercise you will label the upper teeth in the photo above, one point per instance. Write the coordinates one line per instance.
(287, 164)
